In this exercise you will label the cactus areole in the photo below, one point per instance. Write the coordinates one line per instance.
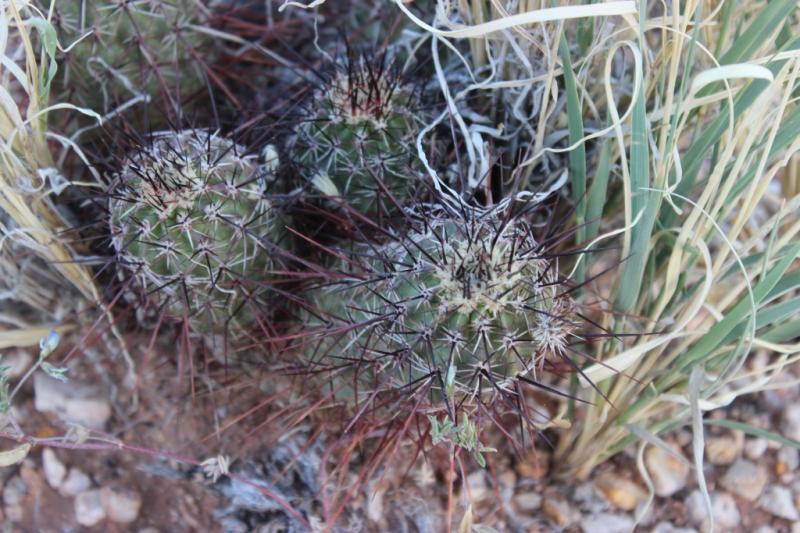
(456, 303)
(189, 219)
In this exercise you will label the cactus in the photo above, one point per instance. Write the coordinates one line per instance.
(462, 306)
(356, 138)
(189, 218)
(149, 49)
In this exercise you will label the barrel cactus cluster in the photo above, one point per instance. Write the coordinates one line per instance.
(445, 306)
(423, 302)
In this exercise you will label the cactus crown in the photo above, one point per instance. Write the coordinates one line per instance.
(355, 139)
(189, 216)
(368, 93)
(458, 303)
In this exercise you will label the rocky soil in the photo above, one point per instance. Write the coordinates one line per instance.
(753, 482)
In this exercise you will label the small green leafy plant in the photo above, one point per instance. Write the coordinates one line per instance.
(463, 435)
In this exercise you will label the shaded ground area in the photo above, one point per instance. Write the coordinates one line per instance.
(752, 481)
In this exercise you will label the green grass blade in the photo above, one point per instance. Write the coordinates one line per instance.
(752, 430)
(577, 156)
(711, 340)
(585, 31)
(785, 332)
(789, 282)
(727, 11)
(762, 28)
(596, 200)
(641, 201)
(768, 316)
(778, 312)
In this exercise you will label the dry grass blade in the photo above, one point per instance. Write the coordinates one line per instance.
(29, 178)
(25, 161)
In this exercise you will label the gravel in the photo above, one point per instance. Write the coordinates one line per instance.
(745, 479)
(89, 508)
(54, 469)
(668, 472)
(778, 501)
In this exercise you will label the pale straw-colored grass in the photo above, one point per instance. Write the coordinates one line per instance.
(30, 224)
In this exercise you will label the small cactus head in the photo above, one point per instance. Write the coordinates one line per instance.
(461, 309)
(124, 51)
(190, 219)
(356, 138)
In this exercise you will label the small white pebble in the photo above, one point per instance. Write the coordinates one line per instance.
(121, 506)
(54, 470)
(75, 483)
(89, 508)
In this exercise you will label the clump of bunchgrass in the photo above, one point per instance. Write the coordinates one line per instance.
(690, 160)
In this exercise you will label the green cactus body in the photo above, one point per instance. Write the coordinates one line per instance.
(125, 49)
(357, 140)
(452, 302)
(189, 218)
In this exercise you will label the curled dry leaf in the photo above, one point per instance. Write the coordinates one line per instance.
(15, 456)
